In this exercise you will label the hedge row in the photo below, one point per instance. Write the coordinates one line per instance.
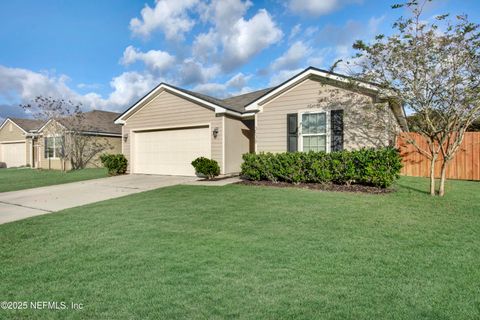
(373, 167)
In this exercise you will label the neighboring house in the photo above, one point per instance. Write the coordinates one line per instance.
(315, 110)
(41, 142)
(97, 124)
(16, 145)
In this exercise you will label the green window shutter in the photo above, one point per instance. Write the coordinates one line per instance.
(292, 130)
(336, 120)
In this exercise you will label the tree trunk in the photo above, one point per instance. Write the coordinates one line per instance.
(443, 174)
(432, 175)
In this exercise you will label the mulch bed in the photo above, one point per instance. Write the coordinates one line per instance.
(320, 186)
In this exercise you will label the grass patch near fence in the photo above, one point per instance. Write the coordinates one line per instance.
(199, 252)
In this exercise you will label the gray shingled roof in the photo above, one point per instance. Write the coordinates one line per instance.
(235, 103)
(241, 101)
(102, 121)
(99, 121)
(28, 124)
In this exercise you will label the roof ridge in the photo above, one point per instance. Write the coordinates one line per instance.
(246, 93)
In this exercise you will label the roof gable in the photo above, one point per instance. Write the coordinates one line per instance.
(26, 125)
(300, 77)
(209, 102)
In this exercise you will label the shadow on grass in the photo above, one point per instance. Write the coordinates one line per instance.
(408, 183)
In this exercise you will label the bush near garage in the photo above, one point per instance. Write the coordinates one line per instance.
(206, 167)
(370, 167)
(116, 164)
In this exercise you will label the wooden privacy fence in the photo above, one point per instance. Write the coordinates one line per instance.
(465, 165)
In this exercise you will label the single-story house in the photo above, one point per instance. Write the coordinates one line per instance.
(35, 143)
(314, 110)
(16, 144)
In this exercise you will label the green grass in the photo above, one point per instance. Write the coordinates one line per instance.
(25, 178)
(245, 252)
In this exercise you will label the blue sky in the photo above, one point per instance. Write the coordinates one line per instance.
(106, 54)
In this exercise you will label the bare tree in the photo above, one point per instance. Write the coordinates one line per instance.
(74, 141)
(433, 68)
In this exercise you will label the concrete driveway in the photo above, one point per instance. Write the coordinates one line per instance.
(17, 205)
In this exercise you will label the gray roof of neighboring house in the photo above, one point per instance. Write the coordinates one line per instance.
(28, 124)
(100, 121)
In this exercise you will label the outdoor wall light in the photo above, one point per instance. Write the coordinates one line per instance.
(215, 132)
(125, 137)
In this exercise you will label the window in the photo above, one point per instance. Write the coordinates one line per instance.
(292, 130)
(314, 131)
(53, 147)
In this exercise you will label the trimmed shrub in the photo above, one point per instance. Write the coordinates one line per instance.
(206, 167)
(115, 163)
(371, 167)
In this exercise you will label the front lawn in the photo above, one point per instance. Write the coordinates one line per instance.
(26, 178)
(246, 252)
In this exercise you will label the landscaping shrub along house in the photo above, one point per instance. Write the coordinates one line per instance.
(369, 167)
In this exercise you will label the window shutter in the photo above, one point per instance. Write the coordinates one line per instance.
(292, 129)
(45, 148)
(337, 130)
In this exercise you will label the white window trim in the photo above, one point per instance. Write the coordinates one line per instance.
(54, 149)
(327, 129)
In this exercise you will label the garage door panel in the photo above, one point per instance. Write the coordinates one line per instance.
(13, 154)
(170, 152)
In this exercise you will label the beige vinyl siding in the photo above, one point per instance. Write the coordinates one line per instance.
(11, 132)
(112, 145)
(28, 145)
(168, 110)
(238, 140)
(365, 124)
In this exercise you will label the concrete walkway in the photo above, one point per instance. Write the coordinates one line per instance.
(17, 205)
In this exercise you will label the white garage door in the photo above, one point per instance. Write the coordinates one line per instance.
(13, 154)
(170, 152)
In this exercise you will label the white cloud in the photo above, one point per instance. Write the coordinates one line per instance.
(318, 7)
(22, 86)
(374, 24)
(231, 38)
(222, 13)
(192, 72)
(294, 57)
(155, 60)
(248, 37)
(283, 75)
(221, 90)
(129, 86)
(295, 31)
(238, 81)
(230, 41)
(205, 46)
(217, 90)
(169, 16)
